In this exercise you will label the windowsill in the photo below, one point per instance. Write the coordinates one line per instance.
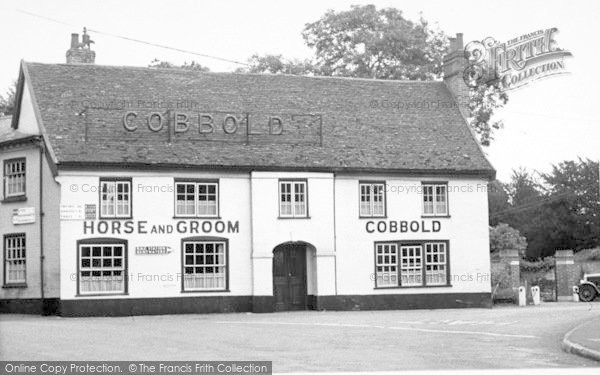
(373, 217)
(115, 218)
(17, 198)
(15, 286)
(293, 217)
(101, 294)
(207, 291)
(198, 217)
(435, 216)
(412, 286)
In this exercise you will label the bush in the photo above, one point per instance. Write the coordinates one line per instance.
(542, 265)
(589, 255)
(505, 237)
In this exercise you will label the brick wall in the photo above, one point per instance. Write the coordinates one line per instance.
(566, 275)
(506, 276)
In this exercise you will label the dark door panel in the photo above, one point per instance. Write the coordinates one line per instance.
(289, 277)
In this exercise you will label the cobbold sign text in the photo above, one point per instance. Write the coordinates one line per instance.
(227, 126)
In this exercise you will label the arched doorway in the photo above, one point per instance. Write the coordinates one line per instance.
(290, 276)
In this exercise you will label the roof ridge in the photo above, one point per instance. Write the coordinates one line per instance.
(125, 67)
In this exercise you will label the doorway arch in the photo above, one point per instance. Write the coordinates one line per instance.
(290, 275)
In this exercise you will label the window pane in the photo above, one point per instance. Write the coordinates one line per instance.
(207, 200)
(386, 265)
(411, 270)
(299, 199)
(440, 199)
(208, 269)
(285, 199)
(436, 271)
(14, 177)
(101, 269)
(185, 204)
(15, 262)
(365, 200)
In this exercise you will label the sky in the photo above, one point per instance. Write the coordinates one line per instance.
(546, 122)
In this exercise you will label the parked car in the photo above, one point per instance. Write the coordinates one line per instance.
(589, 287)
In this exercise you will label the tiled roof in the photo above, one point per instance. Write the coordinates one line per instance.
(336, 124)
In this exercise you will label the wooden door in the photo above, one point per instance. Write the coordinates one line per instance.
(289, 277)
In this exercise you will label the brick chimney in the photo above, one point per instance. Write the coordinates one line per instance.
(454, 64)
(81, 53)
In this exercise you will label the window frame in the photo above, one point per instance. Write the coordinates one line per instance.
(7, 283)
(423, 243)
(14, 197)
(434, 184)
(371, 183)
(293, 182)
(197, 182)
(101, 241)
(205, 239)
(116, 180)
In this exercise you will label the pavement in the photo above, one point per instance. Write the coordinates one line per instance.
(584, 340)
(505, 337)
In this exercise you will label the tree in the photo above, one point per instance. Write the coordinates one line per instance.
(505, 237)
(523, 188)
(484, 100)
(275, 64)
(156, 63)
(577, 183)
(562, 211)
(366, 42)
(497, 201)
(7, 101)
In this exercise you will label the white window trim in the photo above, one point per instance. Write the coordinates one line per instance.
(10, 261)
(196, 200)
(434, 198)
(427, 246)
(394, 247)
(402, 268)
(7, 163)
(372, 199)
(116, 214)
(223, 264)
(423, 245)
(91, 269)
(293, 202)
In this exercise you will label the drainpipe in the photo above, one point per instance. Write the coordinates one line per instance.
(334, 239)
(252, 242)
(42, 297)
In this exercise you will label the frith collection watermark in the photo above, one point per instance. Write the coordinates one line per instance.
(517, 62)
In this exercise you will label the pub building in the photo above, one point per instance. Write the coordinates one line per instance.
(132, 190)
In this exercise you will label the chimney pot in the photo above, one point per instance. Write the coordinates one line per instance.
(74, 40)
(459, 41)
(454, 64)
(80, 53)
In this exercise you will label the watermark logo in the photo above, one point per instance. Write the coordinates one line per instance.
(515, 63)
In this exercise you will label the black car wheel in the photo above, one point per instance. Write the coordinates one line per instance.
(587, 293)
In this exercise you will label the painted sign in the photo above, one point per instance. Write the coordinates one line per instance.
(232, 126)
(24, 215)
(143, 227)
(153, 250)
(403, 226)
(90, 212)
(71, 212)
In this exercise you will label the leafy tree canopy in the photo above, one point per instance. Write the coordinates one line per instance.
(505, 237)
(7, 101)
(156, 63)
